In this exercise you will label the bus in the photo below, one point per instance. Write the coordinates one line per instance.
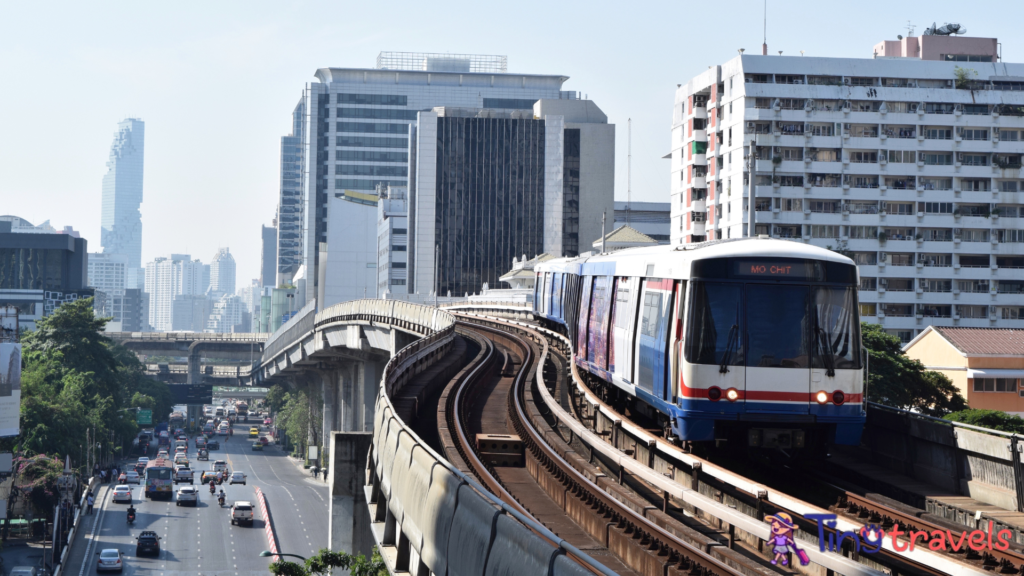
(176, 421)
(159, 481)
(243, 410)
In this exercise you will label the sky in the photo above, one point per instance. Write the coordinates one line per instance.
(216, 82)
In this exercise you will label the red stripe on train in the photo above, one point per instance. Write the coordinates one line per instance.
(768, 395)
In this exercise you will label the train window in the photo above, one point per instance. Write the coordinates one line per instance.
(777, 336)
(837, 324)
(622, 302)
(652, 313)
(716, 324)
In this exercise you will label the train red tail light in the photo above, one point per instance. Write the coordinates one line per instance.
(838, 397)
(714, 393)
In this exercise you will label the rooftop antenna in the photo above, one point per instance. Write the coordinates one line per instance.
(629, 168)
(764, 45)
(910, 29)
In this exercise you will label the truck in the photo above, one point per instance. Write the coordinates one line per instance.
(241, 513)
(183, 474)
(243, 411)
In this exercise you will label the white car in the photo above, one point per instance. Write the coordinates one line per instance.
(220, 466)
(132, 477)
(122, 493)
(110, 559)
(187, 495)
(237, 478)
(144, 460)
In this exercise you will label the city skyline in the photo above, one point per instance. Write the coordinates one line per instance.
(187, 185)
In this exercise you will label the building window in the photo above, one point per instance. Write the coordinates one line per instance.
(373, 99)
(571, 192)
(509, 103)
(398, 248)
(397, 282)
(995, 384)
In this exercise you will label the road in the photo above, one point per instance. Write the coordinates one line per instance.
(201, 540)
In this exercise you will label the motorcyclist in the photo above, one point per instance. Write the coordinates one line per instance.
(131, 513)
(220, 497)
(213, 489)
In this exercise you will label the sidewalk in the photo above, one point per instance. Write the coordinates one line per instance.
(298, 462)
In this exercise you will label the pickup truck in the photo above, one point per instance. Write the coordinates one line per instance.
(183, 474)
(241, 513)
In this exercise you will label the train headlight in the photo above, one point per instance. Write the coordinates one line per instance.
(821, 397)
(838, 397)
(714, 393)
(731, 394)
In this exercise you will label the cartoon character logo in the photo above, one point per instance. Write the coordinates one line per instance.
(782, 539)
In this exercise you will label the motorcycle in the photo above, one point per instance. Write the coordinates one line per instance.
(131, 518)
(220, 500)
(213, 489)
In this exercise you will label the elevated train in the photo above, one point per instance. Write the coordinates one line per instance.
(755, 340)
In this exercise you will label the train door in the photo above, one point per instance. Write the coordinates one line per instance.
(675, 347)
(600, 313)
(778, 332)
(627, 294)
(652, 339)
(583, 317)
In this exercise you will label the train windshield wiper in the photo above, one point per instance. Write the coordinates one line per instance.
(825, 346)
(730, 345)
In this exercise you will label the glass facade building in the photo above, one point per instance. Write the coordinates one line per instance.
(121, 220)
(489, 202)
(290, 204)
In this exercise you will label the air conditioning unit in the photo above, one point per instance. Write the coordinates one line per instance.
(882, 258)
(750, 125)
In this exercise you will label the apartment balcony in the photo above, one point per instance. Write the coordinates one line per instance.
(700, 159)
(699, 136)
(699, 206)
(700, 181)
(700, 112)
(698, 228)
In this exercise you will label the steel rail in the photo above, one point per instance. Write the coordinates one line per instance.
(579, 486)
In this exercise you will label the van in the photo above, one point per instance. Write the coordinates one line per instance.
(23, 571)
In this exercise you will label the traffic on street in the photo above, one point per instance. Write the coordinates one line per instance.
(182, 528)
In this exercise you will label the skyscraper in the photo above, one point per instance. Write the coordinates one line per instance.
(167, 278)
(121, 221)
(290, 205)
(357, 129)
(268, 256)
(222, 272)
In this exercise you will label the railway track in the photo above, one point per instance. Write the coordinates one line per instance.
(641, 457)
(553, 486)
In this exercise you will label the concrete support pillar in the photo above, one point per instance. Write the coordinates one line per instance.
(349, 524)
(328, 389)
(195, 365)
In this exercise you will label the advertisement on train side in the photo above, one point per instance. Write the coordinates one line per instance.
(10, 373)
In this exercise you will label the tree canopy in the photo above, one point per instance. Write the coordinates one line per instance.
(75, 379)
(897, 380)
(994, 419)
(321, 564)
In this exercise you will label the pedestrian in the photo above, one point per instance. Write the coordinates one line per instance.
(325, 473)
(89, 500)
(316, 472)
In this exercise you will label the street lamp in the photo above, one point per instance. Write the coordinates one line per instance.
(266, 553)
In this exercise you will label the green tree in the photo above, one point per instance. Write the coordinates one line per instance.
(276, 398)
(324, 561)
(898, 380)
(994, 419)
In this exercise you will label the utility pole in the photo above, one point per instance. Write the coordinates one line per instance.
(751, 163)
(603, 216)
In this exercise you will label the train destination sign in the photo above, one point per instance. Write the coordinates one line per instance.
(778, 268)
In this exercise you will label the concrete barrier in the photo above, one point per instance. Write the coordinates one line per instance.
(472, 533)
(518, 551)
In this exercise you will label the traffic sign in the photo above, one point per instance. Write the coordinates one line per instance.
(144, 417)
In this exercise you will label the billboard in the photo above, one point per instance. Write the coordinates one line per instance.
(10, 388)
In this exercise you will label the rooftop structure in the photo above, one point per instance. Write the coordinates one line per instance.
(429, 62)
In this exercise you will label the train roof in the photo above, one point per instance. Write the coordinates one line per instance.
(671, 256)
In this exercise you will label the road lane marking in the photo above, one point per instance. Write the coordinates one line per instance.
(92, 535)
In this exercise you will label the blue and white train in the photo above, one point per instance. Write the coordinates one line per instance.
(754, 340)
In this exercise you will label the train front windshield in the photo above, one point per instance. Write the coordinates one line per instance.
(745, 314)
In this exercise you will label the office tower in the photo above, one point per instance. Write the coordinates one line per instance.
(356, 134)
(493, 185)
(268, 256)
(290, 205)
(222, 273)
(229, 314)
(204, 283)
(908, 162)
(167, 278)
(107, 272)
(40, 270)
(121, 220)
(190, 313)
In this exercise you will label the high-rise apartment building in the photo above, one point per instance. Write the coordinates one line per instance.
(167, 278)
(222, 273)
(107, 272)
(268, 255)
(121, 220)
(356, 135)
(392, 241)
(909, 162)
(290, 205)
(229, 314)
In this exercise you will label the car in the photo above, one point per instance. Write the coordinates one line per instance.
(264, 440)
(200, 441)
(24, 571)
(241, 513)
(183, 474)
(220, 466)
(213, 445)
(254, 432)
(132, 477)
(162, 454)
(110, 559)
(209, 476)
(143, 460)
(181, 461)
(187, 495)
(267, 421)
(122, 493)
(147, 542)
(203, 455)
(257, 446)
(237, 478)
